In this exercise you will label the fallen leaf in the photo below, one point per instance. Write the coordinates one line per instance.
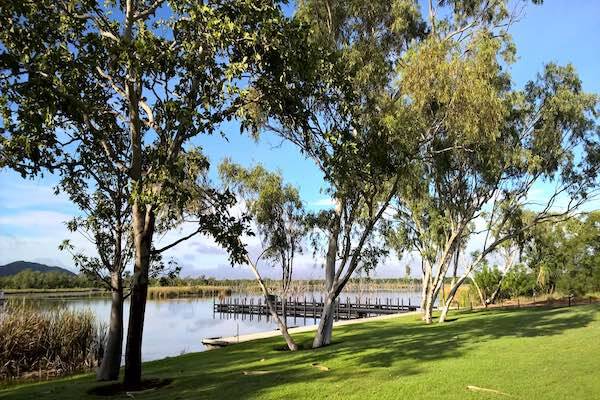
(256, 372)
(320, 367)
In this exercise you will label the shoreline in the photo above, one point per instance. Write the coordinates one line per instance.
(214, 343)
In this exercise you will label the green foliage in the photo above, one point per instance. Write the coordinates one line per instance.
(48, 280)
(89, 78)
(565, 256)
(487, 279)
(338, 103)
(484, 143)
(275, 208)
(519, 281)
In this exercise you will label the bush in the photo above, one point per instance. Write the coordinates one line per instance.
(519, 282)
(488, 279)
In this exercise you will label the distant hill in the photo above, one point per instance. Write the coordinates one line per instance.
(18, 266)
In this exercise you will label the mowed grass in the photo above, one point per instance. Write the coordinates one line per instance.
(524, 353)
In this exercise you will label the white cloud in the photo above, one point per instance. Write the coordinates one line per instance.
(40, 249)
(324, 202)
(46, 220)
(31, 194)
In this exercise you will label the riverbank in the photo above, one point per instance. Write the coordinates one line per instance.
(219, 288)
(527, 353)
(54, 293)
(154, 292)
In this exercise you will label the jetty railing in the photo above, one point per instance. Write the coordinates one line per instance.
(311, 309)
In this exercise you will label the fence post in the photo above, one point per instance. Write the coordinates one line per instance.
(348, 306)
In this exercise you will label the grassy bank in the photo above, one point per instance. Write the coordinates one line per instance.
(535, 353)
(47, 293)
(154, 292)
(165, 292)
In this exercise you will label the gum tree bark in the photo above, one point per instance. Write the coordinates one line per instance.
(337, 274)
(325, 328)
(282, 324)
(111, 360)
(143, 229)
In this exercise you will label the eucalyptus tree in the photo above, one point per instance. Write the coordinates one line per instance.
(278, 215)
(101, 195)
(488, 144)
(159, 73)
(105, 221)
(338, 102)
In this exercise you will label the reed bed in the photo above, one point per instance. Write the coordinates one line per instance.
(299, 287)
(167, 292)
(38, 343)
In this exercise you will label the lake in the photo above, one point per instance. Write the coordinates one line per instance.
(177, 326)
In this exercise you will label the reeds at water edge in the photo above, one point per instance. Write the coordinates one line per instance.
(42, 343)
(167, 292)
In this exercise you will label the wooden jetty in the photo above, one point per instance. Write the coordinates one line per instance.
(312, 309)
(218, 342)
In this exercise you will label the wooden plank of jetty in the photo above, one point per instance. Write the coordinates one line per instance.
(214, 343)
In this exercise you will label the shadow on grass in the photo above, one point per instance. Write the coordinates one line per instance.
(114, 389)
(358, 351)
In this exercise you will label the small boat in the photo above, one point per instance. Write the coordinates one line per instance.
(214, 343)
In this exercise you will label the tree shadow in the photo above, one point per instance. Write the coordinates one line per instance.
(423, 343)
(358, 351)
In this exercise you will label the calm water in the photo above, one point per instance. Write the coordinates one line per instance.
(176, 326)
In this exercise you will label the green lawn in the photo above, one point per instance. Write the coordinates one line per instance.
(526, 353)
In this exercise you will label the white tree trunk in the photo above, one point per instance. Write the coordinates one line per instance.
(111, 359)
(282, 324)
(426, 293)
(325, 329)
(451, 295)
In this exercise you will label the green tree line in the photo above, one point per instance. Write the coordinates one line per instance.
(562, 258)
(29, 279)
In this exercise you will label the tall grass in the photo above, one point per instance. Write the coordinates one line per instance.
(466, 296)
(301, 286)
(50, 342)
(165, 292)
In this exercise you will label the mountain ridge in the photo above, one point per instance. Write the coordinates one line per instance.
(15, 267)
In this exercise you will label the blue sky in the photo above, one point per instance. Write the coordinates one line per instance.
(31, 216)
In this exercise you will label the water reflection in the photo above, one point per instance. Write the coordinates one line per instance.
(177, 326)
